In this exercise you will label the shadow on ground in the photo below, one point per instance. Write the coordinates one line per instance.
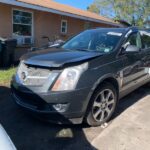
(28, 133)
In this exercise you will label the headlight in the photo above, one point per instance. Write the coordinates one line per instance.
(69, 78)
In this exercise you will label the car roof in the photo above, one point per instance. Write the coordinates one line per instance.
(121, 30)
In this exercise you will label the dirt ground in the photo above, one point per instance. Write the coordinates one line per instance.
(28, 133)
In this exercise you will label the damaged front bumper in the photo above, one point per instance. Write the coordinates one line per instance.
(43, 105)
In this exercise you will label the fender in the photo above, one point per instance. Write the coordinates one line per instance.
(106, 76)
(116, 77)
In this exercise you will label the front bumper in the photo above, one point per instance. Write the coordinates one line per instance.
(40, 104)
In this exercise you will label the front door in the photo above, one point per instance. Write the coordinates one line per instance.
(134, 70)
(145, 36)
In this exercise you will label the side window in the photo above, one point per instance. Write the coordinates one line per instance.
(145, 39)
(64, 26)
(135, 39)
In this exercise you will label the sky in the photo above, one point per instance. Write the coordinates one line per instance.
(82, 4)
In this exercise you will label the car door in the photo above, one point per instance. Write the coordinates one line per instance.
(134, 70)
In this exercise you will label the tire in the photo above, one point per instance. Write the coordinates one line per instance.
(102, 105)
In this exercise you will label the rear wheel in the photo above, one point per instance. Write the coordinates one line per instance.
(102, 105)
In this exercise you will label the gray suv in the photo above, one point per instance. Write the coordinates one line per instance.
(83, 79)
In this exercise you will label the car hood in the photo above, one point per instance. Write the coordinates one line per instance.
(57, 57)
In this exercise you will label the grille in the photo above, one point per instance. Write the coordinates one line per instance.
(33, 76)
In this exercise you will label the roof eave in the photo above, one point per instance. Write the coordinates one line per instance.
(35, 7)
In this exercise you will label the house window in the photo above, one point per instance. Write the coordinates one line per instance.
(22, 26)
(64, 26)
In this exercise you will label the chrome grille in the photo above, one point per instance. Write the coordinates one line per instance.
(32, 75)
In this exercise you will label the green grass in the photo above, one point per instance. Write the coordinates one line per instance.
(6, 75)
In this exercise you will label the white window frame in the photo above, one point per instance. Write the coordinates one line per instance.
(18, 37)
(66, 27)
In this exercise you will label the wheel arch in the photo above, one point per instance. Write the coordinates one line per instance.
(107, 78)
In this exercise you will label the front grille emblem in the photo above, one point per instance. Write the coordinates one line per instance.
(24, 75)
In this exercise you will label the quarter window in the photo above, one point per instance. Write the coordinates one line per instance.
(64, 26)
(22, 23)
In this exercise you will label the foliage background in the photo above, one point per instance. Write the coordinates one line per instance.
(136, 12)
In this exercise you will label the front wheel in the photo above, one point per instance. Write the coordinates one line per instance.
(102, 105)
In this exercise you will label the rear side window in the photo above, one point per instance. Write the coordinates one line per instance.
(145, 39)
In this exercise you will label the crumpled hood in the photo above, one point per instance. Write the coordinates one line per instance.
(57, 58)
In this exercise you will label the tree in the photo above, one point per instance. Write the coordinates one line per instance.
(133, 11)
(93, 8)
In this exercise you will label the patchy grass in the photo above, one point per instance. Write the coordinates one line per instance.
(6, 75)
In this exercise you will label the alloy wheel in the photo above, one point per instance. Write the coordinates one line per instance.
(103, 105)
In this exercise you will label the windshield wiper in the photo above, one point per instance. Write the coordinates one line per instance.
(81, 49)
(86, 50)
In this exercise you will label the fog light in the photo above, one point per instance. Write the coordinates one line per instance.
(60, 107)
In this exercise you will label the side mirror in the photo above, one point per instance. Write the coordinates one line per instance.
(131, 49)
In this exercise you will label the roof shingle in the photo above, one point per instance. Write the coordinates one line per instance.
(67, 9)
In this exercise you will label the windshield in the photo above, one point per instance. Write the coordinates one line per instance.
(94, 40)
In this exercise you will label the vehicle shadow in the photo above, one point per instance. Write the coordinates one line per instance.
(29, 133)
